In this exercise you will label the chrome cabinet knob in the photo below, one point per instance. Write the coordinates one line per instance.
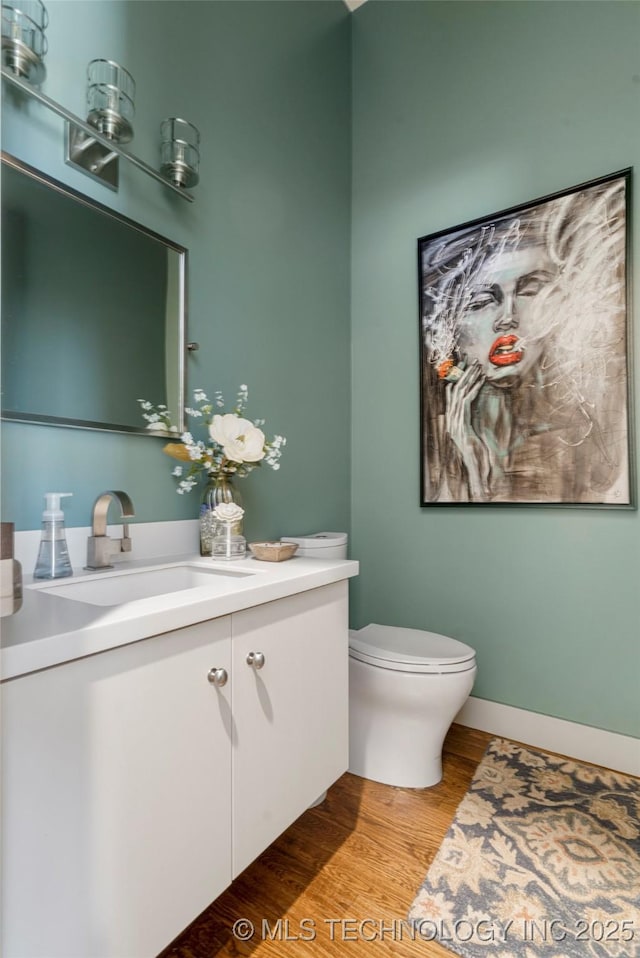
(255, 659)
(218, 677)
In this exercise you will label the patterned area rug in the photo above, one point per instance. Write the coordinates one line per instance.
(542, 860)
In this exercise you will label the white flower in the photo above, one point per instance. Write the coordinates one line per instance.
(241, 441)
(183, 486)
(274, 451)
(186, 485)
(235, 446)
(228, 512)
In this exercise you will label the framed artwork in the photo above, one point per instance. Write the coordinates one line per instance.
(525, 353)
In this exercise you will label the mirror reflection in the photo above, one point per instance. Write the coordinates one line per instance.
(93, 309)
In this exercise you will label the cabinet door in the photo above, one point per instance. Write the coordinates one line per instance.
(116, 798)
(291, 737)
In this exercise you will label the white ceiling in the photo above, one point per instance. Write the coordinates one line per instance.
(353, 4)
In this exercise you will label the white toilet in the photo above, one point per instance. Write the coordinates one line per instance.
(405, 688)
(320, 545)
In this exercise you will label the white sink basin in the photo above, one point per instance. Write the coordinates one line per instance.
(117, 589)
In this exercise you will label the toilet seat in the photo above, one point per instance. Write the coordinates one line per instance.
(410, 650)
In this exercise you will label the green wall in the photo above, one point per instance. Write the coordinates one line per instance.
(268, 237)
(461, 110)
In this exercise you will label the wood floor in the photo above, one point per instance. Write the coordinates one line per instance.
(342, 878)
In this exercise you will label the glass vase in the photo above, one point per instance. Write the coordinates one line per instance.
(219, 489)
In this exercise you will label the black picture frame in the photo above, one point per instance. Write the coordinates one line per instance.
(525, 353)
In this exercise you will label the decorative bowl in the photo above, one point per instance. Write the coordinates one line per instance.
(273, 551)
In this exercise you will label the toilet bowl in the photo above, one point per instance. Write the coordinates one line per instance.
(405, 688)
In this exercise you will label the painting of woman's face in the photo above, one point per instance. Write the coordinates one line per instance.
(524, 361)
(502, 322)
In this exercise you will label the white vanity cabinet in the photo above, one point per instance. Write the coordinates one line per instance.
(291, 714)
(135, 787)
(116, 797)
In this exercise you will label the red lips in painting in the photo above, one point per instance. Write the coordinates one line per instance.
(502, 352)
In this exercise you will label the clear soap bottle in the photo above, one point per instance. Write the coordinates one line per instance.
(53, 557)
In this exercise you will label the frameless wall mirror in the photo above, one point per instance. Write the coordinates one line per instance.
(93, 309)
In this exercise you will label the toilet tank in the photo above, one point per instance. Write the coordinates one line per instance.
(321, 545)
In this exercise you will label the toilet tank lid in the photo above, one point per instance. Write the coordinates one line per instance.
(395, 644)
(319, 540)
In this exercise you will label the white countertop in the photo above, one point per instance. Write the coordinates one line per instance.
(49, 629)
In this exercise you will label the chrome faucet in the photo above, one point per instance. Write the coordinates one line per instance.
(100, 547)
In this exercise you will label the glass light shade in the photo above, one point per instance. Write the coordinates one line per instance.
(110, 98)
(180, 151)
(23, 39)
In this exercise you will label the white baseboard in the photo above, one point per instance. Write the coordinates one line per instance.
(595, 745)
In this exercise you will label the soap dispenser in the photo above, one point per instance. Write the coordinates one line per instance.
(53, 558)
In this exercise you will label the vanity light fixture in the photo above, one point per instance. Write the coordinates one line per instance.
(110, 95)
(111, 92)
(93, 146)
(180, 152)
(24, 43)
